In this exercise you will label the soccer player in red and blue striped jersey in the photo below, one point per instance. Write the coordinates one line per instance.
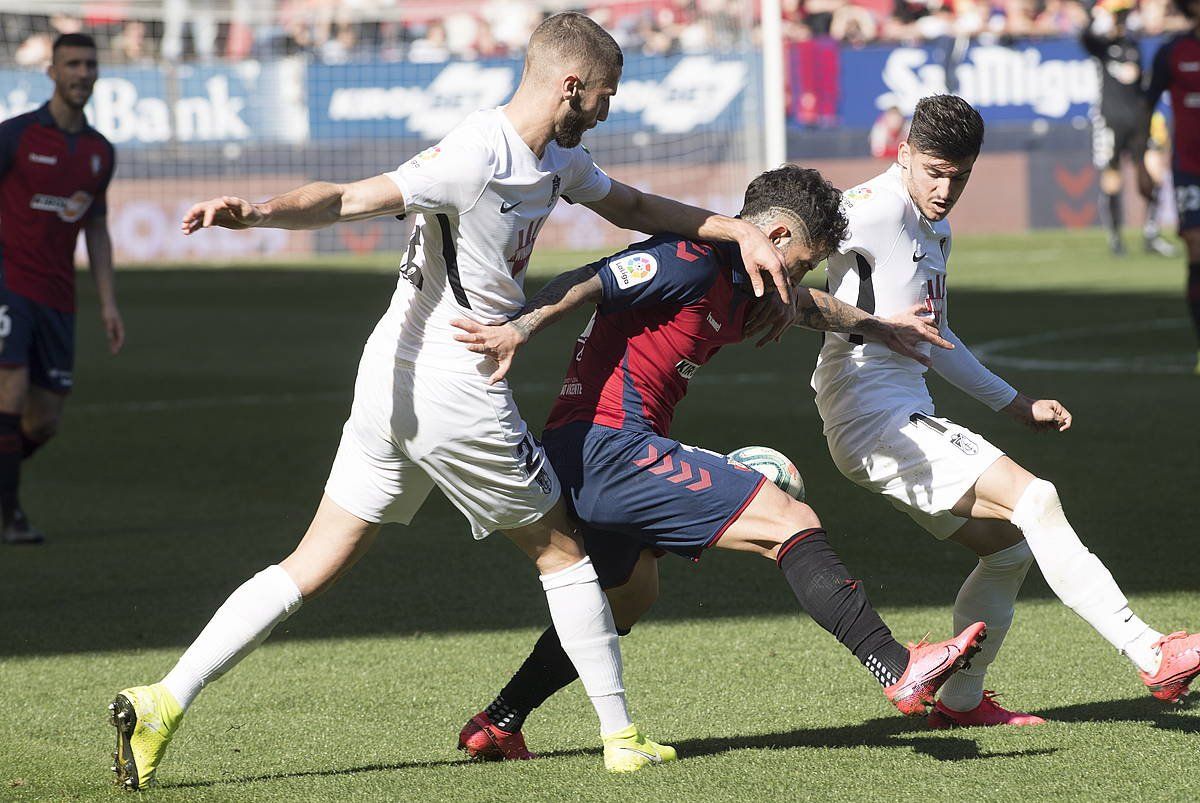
(664, 307)
(54, 175)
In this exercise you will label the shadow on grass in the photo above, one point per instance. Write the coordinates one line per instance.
(1163, 716)
(888, 732)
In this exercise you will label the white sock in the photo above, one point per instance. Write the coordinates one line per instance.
(588, 636)
(235, 630)
(988, 595)
(1076, 575)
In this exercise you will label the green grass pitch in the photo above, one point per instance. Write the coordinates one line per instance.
(196, 458)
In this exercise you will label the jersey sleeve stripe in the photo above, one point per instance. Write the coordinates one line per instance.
(866, 292)
(450, 254)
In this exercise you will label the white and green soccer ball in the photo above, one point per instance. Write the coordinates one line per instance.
(774, 466)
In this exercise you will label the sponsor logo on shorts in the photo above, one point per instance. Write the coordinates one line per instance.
(964, 444)
(686, 368)
(571, 387)
(68, 209)
(43, 159)
(633, 269)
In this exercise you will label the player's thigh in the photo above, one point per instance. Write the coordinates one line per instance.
(631, 599)
(1187, 204)
(472, 441)
(17, 331)
(372, 478)
(334, 541)
(651, 488)
(922, 464)
(52, 349)
(43, 412)
(551, 541)
(995, 494)
(987, 536)
(771, 518)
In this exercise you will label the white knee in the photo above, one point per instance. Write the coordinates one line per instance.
(1038, 505)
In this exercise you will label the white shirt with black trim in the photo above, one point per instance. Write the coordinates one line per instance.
(483, 197)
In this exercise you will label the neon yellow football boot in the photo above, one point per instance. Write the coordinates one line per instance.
(146, 718)
(629, 750)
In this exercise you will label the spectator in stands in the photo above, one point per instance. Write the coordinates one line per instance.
(889, 130)
(200, 17)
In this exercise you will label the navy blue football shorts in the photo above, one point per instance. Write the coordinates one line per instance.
(633, 490)
(1187, 199)
(40, 337)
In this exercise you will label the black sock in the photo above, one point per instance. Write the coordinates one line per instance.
(1193, 295)
(1110, 212)
(10, 463)
(29, 445)
(839, 604)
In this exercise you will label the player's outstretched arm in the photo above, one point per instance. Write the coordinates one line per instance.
(501, 341)
(312, 206)
(630, 208)
(903, 333)
(1042, 415)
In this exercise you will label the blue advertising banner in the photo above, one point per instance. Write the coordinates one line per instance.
(676, 95)
(146, 106)
(1049, 79)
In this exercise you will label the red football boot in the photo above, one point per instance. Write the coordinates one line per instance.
(1180, 666)
(987, 713)
(483, 741)
(929, 666)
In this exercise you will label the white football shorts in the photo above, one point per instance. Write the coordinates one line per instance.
(412, 427)
(921, 463)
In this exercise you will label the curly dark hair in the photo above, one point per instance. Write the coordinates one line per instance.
(946, 126)
(804, 192)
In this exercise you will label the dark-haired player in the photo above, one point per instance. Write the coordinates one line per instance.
(54, 173)
(1117, 127)
(883, 433)
(664, 307)
(1177, 70)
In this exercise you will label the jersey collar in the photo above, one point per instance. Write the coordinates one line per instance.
(43, 116)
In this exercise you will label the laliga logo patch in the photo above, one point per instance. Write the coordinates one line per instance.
(851, 197)
(633, 269)
(425, 155)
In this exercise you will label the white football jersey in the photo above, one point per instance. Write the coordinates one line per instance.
(482, 196)
(894, 258)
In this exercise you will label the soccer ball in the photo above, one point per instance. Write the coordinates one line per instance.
(774, 466)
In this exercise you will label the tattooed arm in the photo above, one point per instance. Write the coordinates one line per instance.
(565, 292)
(902, 333)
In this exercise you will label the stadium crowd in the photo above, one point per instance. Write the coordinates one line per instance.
(429, 32)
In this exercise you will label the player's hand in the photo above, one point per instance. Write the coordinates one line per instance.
(227, 212)
(772, 315)
(907, 332)
(1042, 415)
(114, 328)
(500, 342)
(760, 256)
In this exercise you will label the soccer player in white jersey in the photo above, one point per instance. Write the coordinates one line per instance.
(423, 412)
(883, 434)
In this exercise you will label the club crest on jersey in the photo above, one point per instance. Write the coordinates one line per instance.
(95, 164)
(964, 444)
(633, 269)
(686, 368)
